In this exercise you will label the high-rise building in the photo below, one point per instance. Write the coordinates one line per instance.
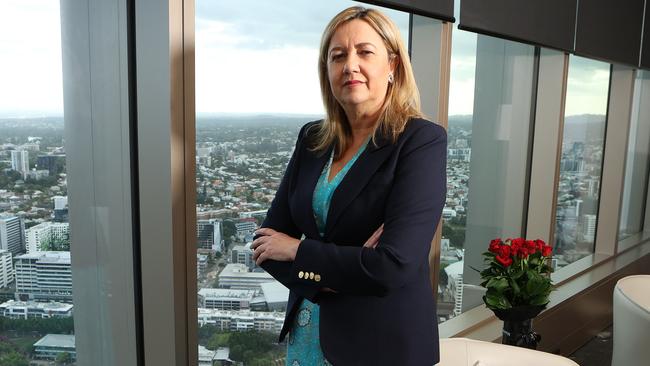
(208, 234)
(6, 268)
(12, 234)
(238, 276)
(44, 276)
(588, 227)
(48, 236)
(60, 202)
(245, 226)
(55, 164)
(455, 285)
(60, 208)
(20, 161)
(243, 254)
(32, 309)
(226, 299)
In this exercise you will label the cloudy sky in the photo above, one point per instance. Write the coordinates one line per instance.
(252, 56)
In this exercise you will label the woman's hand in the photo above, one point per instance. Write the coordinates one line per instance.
(274, 245)
(373, 240)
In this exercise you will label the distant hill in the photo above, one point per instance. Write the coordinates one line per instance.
(584, 127)
(32, 122)
(254, 120)
(463, 121)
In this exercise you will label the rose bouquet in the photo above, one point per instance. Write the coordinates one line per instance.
(517, 274)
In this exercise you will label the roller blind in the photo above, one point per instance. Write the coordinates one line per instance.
(439, 9)
(549, 23)
(610, 30)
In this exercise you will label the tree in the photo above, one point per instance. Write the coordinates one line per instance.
(56, 242)
(443, 279)
(218, 340)
(63, 358)
(456, 236)
(229, 230)
(13, 358)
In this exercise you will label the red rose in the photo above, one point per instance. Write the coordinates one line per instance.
(504, 251)
(494, 245)
(540, 244)
(518, 242)
(504, 261)
(547, 250)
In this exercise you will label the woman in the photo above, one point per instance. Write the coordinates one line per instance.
(365, 187)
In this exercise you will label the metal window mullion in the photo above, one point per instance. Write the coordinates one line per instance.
(619, 110)
(163, 134)
(547, 144)
(431, 58)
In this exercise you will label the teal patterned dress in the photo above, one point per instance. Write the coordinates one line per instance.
(303, 348)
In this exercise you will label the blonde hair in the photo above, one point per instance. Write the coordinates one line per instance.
(402, 97)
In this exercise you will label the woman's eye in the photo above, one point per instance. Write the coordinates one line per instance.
(365, 52)
(337, 57)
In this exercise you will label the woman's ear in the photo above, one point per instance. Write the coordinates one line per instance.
(393, 61)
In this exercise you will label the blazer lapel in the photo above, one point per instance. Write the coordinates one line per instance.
(311, 167)
(356, 178)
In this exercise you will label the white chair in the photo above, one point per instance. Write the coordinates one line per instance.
(632, 321)
(470, 352)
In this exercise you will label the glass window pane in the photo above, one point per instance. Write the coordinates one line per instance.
(35, 270)
(638, 157)
(65, 206)
(256, 85)
(490, 100)
(581, 160)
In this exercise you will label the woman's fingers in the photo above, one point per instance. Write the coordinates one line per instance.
(259, 241)
(257, 251)
(265, 231)
(374, 238)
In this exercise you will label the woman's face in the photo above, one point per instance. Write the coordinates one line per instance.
(358, 67)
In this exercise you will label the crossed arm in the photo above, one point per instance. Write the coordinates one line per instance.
(412, 213)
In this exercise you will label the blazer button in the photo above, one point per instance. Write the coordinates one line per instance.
(311, 275)
(301, 274)
(317, 278)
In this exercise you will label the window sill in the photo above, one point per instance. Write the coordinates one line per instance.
(480, 323)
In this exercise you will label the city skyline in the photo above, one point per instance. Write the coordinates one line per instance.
(30, 60)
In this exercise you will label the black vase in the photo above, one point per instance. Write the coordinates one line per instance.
(518, 325)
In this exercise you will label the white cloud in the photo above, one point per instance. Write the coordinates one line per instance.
(587, 90)
(30, 58)
(230, 80)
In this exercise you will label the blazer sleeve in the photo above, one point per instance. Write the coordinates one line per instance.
(413, 209)
(278, 218)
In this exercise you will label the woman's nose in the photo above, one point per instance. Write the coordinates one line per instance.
(351, 64)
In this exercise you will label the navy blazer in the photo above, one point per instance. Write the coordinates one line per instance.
(384, 311)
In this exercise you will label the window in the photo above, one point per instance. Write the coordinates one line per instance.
(36, 297)
(65, 197)
(256, 85)
(490, 100)
(636, 166)
(581, 160)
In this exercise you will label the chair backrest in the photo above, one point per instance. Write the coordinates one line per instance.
(637, 289)
(469, 352)
(631, 308)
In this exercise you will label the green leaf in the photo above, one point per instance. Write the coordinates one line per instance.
(475, 269)
(516, 275)
(539, 300)
(496, 301)
(515, 287)
(498, 283)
